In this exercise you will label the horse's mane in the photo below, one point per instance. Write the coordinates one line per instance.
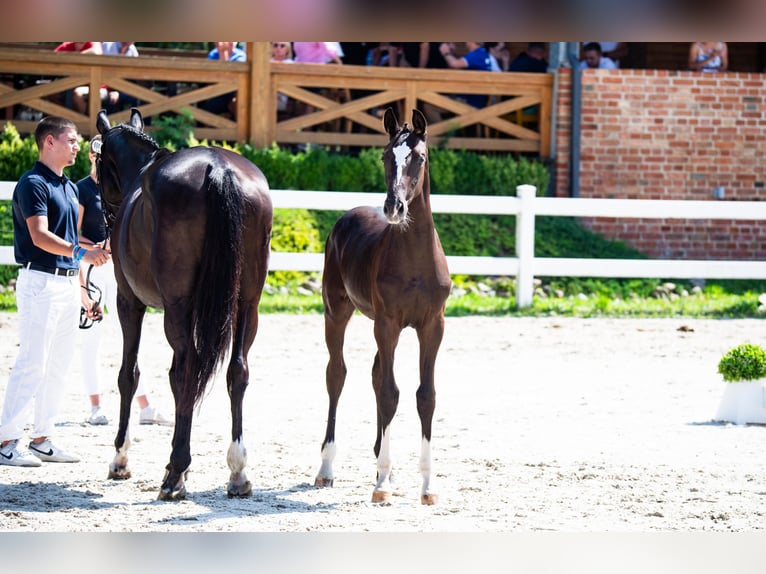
(144, 137)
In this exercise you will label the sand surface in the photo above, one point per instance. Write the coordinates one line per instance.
(553, 424)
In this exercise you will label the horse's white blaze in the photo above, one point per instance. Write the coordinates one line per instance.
(384, 462)
(328, 456)
(236, 457)
(425, 464)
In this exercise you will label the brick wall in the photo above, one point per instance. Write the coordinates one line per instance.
(659, 134)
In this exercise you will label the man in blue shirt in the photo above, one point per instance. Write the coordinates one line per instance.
(228, 52)
(45, 209)
(477, 58)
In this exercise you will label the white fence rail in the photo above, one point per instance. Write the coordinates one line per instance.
(525, 266)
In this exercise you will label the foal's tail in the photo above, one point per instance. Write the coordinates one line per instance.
(214, 305)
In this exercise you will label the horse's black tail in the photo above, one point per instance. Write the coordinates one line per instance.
(214, 305)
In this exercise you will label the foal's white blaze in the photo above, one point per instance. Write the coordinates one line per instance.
(328, 456)
(384, 462)
(401, 153)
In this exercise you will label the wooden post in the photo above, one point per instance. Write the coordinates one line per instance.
(525, 246)
(262, 110)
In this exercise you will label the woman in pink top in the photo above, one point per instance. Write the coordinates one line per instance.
(316, 53)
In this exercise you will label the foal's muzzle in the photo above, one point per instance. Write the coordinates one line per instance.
(395, 209)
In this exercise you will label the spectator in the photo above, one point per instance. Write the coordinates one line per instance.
(93, 232)
(112, 99)
(77, 99)
(423, 55)
(594, 58)
(357, 53)
(532, 60)
(282, 52)
(501, 58)
(477, 58)
(225, 103)
(317, 52)
(386, 54)
(615, 51)
(709, 57)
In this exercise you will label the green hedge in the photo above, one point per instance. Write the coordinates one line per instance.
(452, 172)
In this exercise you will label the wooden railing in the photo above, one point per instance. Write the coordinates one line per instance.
(336, 105)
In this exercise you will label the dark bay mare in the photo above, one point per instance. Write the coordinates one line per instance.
(190, 234)
(391, 267)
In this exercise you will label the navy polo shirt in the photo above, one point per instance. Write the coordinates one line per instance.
(93, 225)
(41, 192)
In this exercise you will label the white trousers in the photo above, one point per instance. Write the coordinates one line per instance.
(48, 313)
(90, 339)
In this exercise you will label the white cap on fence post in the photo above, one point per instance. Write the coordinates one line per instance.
(525, 245)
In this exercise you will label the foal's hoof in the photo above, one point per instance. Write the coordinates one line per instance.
(323, 482)
(240, 490)
(380, 496)
(172, 494)
(429, 499)
(119, 473)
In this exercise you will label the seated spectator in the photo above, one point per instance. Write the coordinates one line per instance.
(422, 55)
(532, 60)
(113, 100)
(358, 53)
(615, 51)
(708, 57)
(282, 52)
(386, 54)
(501, 58)
(477, 58)
(77, 99)
(594, 58)
(317, 52)
(225, 103)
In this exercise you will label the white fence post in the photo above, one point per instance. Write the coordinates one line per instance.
(525, 245)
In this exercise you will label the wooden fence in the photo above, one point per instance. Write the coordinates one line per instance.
(526, 206)
(335, 105)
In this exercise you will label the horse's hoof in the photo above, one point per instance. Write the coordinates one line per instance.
(119, 473)
(240, 490)
(379, 496)
(323, 482)
(171, 495)
(429, 499)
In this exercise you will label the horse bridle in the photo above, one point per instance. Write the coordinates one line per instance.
(85, 321)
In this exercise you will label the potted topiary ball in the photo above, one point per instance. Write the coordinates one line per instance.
(744, 370)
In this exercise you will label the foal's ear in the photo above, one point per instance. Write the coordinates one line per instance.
(136, 120)
(390, 123)
(102, 122)
(419, 122)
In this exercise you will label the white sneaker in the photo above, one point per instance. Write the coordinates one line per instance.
(47, 452)
(151, 416)
(97, 417)
(12, 456)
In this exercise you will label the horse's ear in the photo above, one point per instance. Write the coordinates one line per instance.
(419, 122)
(390, 123)
(136, 120)
(102, 122)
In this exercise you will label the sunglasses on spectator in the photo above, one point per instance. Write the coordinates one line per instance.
(279, 46)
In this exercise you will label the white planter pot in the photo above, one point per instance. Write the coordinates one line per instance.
(743, 402)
